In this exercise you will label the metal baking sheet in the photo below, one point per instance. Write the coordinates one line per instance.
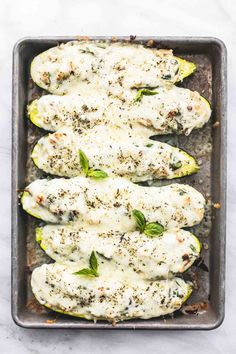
(208, 145)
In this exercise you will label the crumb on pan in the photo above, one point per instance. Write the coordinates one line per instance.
(216, 205)
(216, 124)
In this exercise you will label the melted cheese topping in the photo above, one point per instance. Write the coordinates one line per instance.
(111, 201)
(99, 79)
(159, 257)
(107, 297)
(172, 110)
(120, 153)
(77, 66)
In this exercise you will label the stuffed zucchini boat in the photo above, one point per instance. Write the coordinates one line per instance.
(161, 256)
(111, 201)
(119, 154)
(80, 66)
(162, 111)
(106, 297)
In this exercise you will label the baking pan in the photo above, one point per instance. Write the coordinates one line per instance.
(208, 145)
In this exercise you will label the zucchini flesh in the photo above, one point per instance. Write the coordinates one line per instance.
(111, 201)
(171, 110)
(106, 297)
(161, 256)
(186, 68)
(120, 154)
(159, 297)
(78, 66)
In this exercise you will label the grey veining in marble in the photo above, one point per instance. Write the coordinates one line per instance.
(114, 17)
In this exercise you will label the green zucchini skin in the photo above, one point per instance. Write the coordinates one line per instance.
(143, 159)
(78, 65)
(34, 114)
(122, 298)
(170, 110)
(90, 201)
(38, 210)
(159, 257)
(30, 211)
(96, 318)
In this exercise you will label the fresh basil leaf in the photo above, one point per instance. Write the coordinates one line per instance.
(95, 173)
(176, 165)
(182, 192)
(147, 92)
(166, 77)
(144, 92)
(149, 145)
(84, 162)
(93, 262)
(93, 270)
(193, 248)
(140, 219)
(87, 50)
(153, 229)
(138, 96)
(98, 174)
(86, 271)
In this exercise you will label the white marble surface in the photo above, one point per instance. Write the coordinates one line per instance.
(115, 17)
